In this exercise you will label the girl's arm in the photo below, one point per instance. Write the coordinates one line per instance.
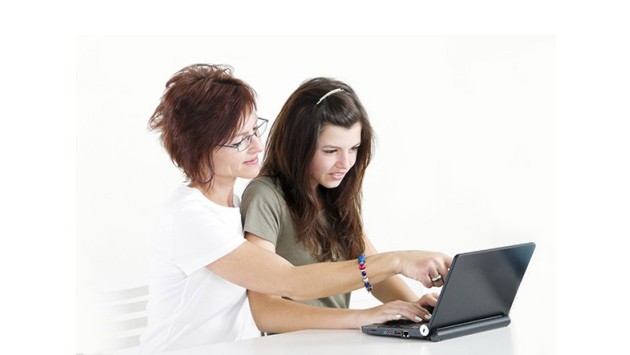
(277, 315)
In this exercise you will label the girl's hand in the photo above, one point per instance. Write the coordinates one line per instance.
(393, 311)
(427, 303)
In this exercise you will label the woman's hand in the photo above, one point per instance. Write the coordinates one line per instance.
(430, 268)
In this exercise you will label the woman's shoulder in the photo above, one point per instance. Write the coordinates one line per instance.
(187, 202)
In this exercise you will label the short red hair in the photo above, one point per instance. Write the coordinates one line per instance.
(202, 107)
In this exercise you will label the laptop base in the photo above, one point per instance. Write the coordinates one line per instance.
(408, 329)
(470, 328)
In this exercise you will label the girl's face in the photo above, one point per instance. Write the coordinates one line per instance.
(230, 163)
(336, 153)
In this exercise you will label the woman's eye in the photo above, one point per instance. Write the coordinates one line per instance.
(329, 151)
(354, 149)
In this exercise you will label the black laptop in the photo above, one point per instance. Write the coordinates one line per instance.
(478, 293)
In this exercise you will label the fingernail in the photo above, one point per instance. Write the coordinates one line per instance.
(398, 316)
(418, 319)
(428, 316)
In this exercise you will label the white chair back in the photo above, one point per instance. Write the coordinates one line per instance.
(121, 318)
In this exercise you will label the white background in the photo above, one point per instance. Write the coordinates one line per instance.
(38, 138)
(464, 157)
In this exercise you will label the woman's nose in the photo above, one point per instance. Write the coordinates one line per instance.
(257, 144)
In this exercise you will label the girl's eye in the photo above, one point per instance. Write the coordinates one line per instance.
(354, 149)
(329, 151)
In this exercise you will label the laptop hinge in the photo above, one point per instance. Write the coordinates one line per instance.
(470, 327)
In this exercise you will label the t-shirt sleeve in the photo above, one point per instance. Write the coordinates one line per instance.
(261, 211)
(202, 238)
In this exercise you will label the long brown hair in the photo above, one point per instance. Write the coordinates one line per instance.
(290, 149)
(202, 107)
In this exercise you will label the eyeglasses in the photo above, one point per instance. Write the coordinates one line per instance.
(245, 142)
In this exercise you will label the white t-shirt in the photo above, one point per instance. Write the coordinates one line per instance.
(188, 304)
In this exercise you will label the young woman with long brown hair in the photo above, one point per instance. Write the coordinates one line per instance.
(306, 207)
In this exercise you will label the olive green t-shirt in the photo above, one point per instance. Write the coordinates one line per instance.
(265, 214)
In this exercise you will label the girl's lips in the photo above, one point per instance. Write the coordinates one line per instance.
(338, 176)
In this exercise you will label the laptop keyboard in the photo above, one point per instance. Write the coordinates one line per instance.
(402, 323)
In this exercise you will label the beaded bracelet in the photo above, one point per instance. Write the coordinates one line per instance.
(366, 281)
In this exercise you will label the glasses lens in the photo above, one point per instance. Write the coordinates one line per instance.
(260, 130)
(242, 145)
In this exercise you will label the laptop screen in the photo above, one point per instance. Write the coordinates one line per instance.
(481, 284)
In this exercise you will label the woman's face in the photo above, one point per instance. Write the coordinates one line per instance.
(336, 153)
(230, 163)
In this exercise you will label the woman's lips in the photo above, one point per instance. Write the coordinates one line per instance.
(251, 161)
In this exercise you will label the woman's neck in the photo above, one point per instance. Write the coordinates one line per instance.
(221, 194)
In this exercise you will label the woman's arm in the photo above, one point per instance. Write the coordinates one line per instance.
(392, 288)
(262, 270)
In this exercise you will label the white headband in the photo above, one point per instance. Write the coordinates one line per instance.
(328, 94)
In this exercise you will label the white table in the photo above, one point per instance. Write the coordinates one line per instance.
(504, 341)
